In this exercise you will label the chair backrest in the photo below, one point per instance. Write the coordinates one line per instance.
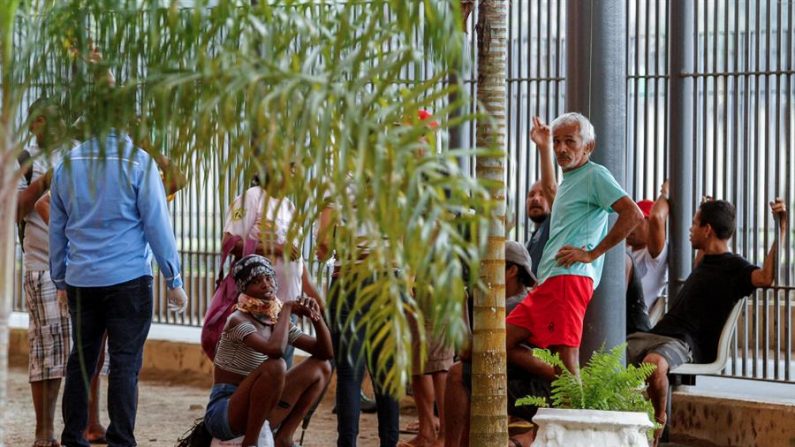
(728, 331)
(657, 310)
(722, 354)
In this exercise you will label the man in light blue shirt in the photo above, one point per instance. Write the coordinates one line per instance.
(108, 207)
(551, 316)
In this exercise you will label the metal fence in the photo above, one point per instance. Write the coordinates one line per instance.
(744, 132)
(744, 113)
(744, 140)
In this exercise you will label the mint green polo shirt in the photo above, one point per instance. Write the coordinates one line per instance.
(579, 218)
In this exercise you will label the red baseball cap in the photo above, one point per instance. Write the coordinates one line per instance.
(645, 207)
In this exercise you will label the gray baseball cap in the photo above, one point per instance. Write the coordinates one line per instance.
(517, 254)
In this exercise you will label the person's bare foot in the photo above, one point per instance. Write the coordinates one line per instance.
(418, 441)
(414, 426)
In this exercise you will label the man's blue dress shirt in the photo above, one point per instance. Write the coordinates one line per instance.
(108, 207)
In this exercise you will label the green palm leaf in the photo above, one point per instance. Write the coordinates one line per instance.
(330, 88)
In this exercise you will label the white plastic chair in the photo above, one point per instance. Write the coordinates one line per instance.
(694, 369)
(657, 310)
(685, 374)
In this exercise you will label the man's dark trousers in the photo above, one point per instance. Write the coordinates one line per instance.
(125, 312)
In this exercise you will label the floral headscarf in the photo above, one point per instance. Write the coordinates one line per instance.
(250, 267)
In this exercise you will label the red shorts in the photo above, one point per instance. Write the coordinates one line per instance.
(553, 311)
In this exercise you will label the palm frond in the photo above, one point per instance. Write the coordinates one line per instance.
(331, 89)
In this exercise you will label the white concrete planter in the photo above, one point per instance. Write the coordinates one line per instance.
(590, 428)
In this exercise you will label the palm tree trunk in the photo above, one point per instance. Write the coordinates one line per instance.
(488, 420)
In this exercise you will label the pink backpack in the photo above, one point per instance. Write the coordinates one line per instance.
(224, 300)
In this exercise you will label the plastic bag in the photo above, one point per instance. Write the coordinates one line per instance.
(265, 439)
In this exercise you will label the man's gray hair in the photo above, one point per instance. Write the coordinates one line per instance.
(587, 132)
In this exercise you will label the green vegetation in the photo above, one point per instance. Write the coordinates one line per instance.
(603, 384)
(320, 99)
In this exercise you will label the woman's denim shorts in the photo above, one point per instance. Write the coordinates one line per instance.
(216, 419)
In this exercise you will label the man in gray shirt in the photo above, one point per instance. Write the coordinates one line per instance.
(48, 327)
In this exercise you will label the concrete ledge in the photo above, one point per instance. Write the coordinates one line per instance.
(171, 354)
(709, 420)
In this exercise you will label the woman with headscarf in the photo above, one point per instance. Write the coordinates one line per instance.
(251, 382)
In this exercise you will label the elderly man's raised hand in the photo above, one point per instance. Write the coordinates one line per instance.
(541, 134)
(780, 213)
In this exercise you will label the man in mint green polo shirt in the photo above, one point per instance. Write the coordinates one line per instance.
(551, 316)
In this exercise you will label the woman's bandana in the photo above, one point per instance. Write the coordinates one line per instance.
(251, 267)
(266, 309)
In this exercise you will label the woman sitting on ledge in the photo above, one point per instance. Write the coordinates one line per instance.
(251, 383)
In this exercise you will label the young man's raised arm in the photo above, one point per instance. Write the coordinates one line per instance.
(657, 219)
(765, 276)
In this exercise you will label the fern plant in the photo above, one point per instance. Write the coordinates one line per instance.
(604, 383)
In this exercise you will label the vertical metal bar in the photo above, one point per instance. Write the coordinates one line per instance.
(775, 80)
(737, 165)
(759, 181)
(752, 197)
(558, 59)
(666, 89)
(636, 89)
(681, 22)
(751, 347)
(537, 81)
(631, 148)
(787, 120)
(695, 115)
(509, 117)
(527, 86)
(645, 188)
(550, 76)
(658, 176)
(716, 147)
(728, 149)
(701, 151)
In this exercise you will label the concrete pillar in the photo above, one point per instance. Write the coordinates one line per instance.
(681, 144)
(596, 36)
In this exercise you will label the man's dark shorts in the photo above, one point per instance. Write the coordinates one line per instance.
(673, 350)
(520, 384)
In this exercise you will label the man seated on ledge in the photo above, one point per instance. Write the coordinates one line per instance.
(691, 329)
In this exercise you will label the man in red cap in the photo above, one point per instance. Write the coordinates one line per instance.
(648, 246)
